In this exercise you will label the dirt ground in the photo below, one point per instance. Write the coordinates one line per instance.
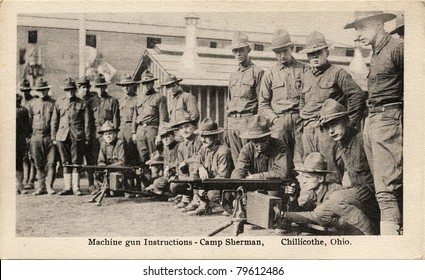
(72, 216)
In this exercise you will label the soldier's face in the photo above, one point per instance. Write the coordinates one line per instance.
(83, 90)
(284, 55)
(208, 140)
(367, 31)
(172, 88)
(318, 58)
(186, 130)
(129, 89)
(109, 136)
(310, 181)
(261, 144)
(241, 54)
(168, 138)
(45, 92)
(70, 93)
(336, 129)
(156, 171)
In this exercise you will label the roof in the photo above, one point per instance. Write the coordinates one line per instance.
(214, 65)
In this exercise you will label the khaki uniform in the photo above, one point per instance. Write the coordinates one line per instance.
(127, 107)
(183, 104)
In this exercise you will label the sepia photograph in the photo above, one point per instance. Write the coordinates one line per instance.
(200, 129)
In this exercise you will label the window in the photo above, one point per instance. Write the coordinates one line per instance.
(91, 40)
(349, 52)
(32, 37)
(151, 42)
(258, 47)
(213, 45)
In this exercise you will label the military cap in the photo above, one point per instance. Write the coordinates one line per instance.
(126, 79)
(331, 110)
(281, 39)
(107, 126)
(183, 120)
(156, 158)
(315, 163)
(240, 40)
(399, 24)
(315, 41)
(100, 81)
(258, 127)
(171, 79)
(40, 84)
(147, 77)
(165, 129)
(159, 187)
(68, 84)
(360, 16)
(25, 85)
(208, 127)
(83, 81)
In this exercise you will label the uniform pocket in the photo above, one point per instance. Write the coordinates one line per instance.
(327, 90)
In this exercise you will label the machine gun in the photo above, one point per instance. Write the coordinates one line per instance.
(252, 204)
(113, 179)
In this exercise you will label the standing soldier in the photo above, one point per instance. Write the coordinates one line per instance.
(244, 88)
(70, 132)
(322, 82)
(23, 129)
(280, 92)
(42, 148)
(29, 167)
(383, 133)
(182, 103)
(127, 108)
(90, 149)
(149, 114)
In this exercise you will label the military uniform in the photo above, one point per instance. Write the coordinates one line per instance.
(149, 113)
(182, 104)
(23, 129)
(111, 154)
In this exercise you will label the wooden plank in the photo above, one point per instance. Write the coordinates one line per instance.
(208, 96)
(217, 115)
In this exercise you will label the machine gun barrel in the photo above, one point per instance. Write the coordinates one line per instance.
(227, 183)
(102, 167)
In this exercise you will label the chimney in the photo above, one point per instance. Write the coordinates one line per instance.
(190, 60)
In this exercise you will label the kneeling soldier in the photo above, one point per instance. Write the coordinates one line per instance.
(160, 185)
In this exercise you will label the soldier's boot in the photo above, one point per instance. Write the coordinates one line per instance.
(184, 202)
(389, 228)
(27, 182)
(67, 179)
(194, 204)
(41, 183)
(204, 208)
(50, 179)
(131, 187)
(19, 183)
(76, 184)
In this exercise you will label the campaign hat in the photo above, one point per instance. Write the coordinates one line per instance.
(331, 110)
(100, 81)
(40, 84)
(107, 126)
(361, 16)
(281, 39)
(258, 127)
(315, 162)
(147, 77)
(126, 79)
(171, 79)
(69, 83)
(239, 40)
(25, 85)
(315, 41)
(208, 127)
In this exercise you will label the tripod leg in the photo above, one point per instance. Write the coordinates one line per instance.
(102, 195)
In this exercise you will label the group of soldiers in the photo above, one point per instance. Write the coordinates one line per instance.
(316, 111)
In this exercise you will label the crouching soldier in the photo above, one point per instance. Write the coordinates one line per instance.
(327, 204)
(349, 144)
(214, 160)
(160, 186)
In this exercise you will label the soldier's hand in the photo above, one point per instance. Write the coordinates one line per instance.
(255, 176)
(139, 171)
(203, 173)
(133, 137)
(290, 191)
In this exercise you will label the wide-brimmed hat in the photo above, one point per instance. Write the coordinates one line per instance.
(399, 24)
(69, 83)
(208, 127)
(258, 127)
(281, 39)
(315, 41)
(107, 126)
(182, 120)
(331, 110)
(165, 129)
(126, 80)
(360, 16)
(25, 85)
(159, 187)
(156, 158)
(100, 81)
(315, 163)
(171, 79)
(40, 84)
(147, 77)
(83, 81)
(239, 40)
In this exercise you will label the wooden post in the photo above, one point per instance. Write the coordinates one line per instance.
(82, 46)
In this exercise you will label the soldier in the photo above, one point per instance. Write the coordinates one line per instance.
(280, 92)
(327, 204)
(182, 103)
(325, 81)
(29, 167)
(399, 26)
(70, 132)
(42, 147)
(111, 151)
(214, 160)
(349, 143)
(150, 112)
(23, 129)
(127, 109)
(244, 88)
(160, 186)
(90, 150)
(170, 149)
(383, 133)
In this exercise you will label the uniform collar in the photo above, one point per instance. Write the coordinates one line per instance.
(288, 65)
(130, 96)
(214, 148)
(178, 93)
(382, 43)
(150, 92)
(348, 136)
(321, 192)
(321, 70)
(104, 95)
(245, 67)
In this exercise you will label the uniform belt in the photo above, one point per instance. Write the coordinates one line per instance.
(240, 115)
(383, 108)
